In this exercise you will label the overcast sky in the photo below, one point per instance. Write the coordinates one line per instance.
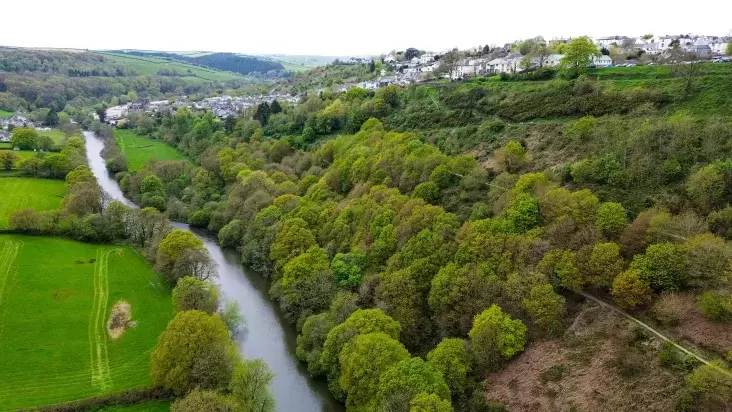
(341, 27)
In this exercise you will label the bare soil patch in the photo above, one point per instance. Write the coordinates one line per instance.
(599, 365)
(61, 295)
(120, 319)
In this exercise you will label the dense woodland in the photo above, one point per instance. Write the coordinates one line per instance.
(437, 227)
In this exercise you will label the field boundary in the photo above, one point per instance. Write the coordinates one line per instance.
(100, 373)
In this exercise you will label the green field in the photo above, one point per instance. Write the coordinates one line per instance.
(140, 150)
(55, 300)
(150, 66)
(28, 193)
(143, 407)
(3, 113)
(57, 135)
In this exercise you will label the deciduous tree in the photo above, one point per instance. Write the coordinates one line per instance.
(193, 294)
(495, 338)
(400, 383)
(363, 361)
(630, 290)
(188, 336)
(451, 358)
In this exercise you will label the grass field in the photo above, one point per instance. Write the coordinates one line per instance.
(55, 298)
(4, 113)
(57, 135)
(150, 66)
(25, 192)
(140, 149)
(143, 407)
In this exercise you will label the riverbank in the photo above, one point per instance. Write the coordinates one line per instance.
(267, 336)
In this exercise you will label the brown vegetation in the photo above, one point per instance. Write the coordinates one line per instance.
(119, 320)
(601, 364)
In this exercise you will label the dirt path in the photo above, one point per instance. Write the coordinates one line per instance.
(645, 326)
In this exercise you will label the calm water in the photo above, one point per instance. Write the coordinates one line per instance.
(267, 335)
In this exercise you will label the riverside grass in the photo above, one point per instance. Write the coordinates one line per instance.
(17, 193)
(56, 296)
(140, 149)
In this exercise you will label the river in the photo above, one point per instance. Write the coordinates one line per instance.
(267, 335)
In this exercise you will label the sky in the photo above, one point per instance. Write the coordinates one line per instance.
(342, 28)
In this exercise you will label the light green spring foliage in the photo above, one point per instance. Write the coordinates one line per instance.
(545, 307)
(429, 402)
(361, 321)
(611, 218)
(561, 267)
(189, 335)
(495, 337)
(193, 294)
(603, 264)
(451, 358)
(630, 290)
(250, 386)
(176, 242)
(363, 361)
(407, 378)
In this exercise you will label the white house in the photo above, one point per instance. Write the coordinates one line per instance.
(608, 41)
(389, 58)
(664, 42)
(719, 46)
(426, 58)
(602, 61)
(508, 64)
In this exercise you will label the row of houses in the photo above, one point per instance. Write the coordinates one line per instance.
(702, 46)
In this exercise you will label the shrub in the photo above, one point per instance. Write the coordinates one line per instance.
(716, 306)
(668, 309)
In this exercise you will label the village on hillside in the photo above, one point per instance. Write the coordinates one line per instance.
(406, 68)
(622, 51)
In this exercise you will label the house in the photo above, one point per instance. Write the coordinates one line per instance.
(664, 42)
(427, 58)
(602, 61)
(508, 64)
(700, 50)
(389, 58)
(607, 42)
(4, 136)
(719, 45)
(553, 60)
(651, 48)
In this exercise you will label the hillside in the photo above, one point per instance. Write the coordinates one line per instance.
(230, 62)
(472, 228)
(79, 81)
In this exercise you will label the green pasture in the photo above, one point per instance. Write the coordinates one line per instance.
(4, 113)
(150, 65)
(56, 296)
(140, 150)
(57, 135)
(18, 193)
